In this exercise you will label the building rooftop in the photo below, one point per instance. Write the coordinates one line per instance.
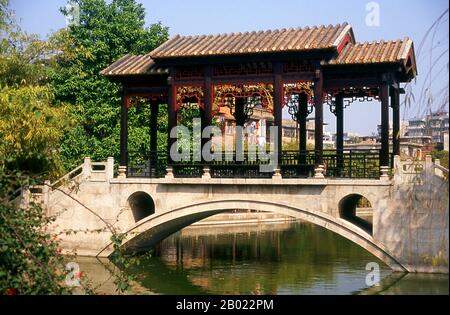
(283, 40)
(339, 40)
(375, 52)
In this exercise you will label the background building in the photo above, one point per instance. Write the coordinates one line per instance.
(429, 129)
(446, 140)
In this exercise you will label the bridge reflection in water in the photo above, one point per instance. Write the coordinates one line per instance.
(282, 258)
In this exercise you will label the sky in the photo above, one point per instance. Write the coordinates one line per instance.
(397, 19)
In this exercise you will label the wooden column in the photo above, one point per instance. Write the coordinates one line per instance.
(208, 103)
(124, 130)
(318, 108)
(239, 115)
(340, 132)
(395, 103)
(278, 103)
(154, 126)
(301, 119)
(384, 97)
(172, 114)
(154, 134)
(302, 115)
(239, 112)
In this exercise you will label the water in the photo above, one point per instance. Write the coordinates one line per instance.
(282, 258)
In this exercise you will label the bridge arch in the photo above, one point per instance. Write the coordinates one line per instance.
(347, 211)
(147, 233)
(141, 205)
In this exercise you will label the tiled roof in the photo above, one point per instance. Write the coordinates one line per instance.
(298, 39)
(374, 52)
(133, 65)
(339, 37)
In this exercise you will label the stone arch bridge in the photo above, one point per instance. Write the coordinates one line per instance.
(410, 209)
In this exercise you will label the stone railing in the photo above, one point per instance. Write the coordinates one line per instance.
(418, 171)
(439, 170)
(98, 171)
(88, 171)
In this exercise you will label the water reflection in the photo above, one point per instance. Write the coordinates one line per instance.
(411, 284)
(292, 258)
(283, 258)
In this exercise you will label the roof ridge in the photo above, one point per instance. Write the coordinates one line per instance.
(381, 41)
(284, 29)
(374, 52)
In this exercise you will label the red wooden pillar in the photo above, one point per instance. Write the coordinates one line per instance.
(154, 126)
(395, 104)
(318, 109)
(208, 102)
(278, 103)
(384, 97)
(154, 133)
(172, 114)
(239, 111)
(302, 116)
(340, 132)
(301, 119)
(124, 129)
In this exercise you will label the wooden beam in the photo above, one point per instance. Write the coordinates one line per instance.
(148, 80)
(356, 82)
(189, 82)
(313, 55)
(147, 90)
(296, 77)
(244, 79)
(248, 79)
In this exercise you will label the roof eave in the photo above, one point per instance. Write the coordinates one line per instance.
(330, 49)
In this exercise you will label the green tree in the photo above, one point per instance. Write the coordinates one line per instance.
(31, 121)
(442, 156)
(31, 126)
(105, 33)
(30, 262)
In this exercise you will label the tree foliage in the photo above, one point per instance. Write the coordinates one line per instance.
(54, 107)
(106, 32)
(31, 126)
(31, 122)
(442, 156)
(30, 262)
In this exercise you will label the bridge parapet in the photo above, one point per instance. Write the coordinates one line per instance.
(88, 171)
(418, 172)
(410, 208)
(414, 224)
